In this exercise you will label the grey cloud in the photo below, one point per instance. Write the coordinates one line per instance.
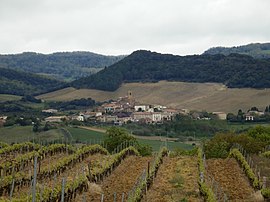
(122, 26)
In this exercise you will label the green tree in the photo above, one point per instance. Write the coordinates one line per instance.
(36, 126)
(116, 136)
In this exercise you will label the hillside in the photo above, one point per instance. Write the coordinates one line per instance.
(65, 65)
(234, 70)
(22, 83)
(256, 50)
(198, 96)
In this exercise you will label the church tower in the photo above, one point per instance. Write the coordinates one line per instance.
(130, 94)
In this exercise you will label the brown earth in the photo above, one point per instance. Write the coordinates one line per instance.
(120, 181)
(177, 179)
(194, 96)
(232, 179)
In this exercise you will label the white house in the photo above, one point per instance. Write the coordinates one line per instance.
(141, 108)
(249, 118)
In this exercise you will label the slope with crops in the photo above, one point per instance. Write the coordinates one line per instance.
(52, 165)
(119, 183)
(229, 175)
(177, 179)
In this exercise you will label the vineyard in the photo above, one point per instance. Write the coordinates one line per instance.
(61, 172)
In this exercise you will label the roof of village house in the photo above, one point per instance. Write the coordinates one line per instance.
(123, 114)
(110, 105)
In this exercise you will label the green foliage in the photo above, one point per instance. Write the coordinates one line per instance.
(266, 193)
(206, 191)
(66, 65)
(182, 126)
(260, 132)
(266, 154)
(177, 181)
(236, 71)
(22, 83)
(180, 152)
(256, 50)
(73, 104)
(30, 98)
(219, 146)
(144, 149)
(116, 136)
(250, 174)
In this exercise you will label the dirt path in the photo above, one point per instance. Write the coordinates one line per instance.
(176, 180)
(93, 129)
(232, 179)
(120, 181)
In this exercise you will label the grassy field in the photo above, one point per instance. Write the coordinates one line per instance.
(194, 96)
(156, 144)
(17, 134)
(6, 97)
(85, 135)
(24, 133)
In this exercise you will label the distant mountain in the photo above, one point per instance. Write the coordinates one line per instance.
(22, 83)
(234, 70)
(65, 65)
(256, 50)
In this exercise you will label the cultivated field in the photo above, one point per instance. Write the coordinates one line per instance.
(231, 178)
(195, 96)
(177, 179)
(61, 172)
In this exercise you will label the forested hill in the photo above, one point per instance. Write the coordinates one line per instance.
(65, 65)
(233, 70)
(22, 83)
(256, 50)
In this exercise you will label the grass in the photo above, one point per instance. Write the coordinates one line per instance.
(16, 134)
(85, 135)
(194, 96)
(156, 144)
(7, 97)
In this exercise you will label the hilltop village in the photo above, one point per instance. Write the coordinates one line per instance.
(121, 111)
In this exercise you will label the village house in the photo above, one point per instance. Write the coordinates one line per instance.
(249, 117)
(3, 120)
(50, 111)
(220, 115)
(107, 118)
(57, 119)
(141, 108)
(76, 117)
(153, 116)
(90, 114)
(111, 107)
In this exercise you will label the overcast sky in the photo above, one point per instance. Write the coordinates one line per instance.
(116, 27)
